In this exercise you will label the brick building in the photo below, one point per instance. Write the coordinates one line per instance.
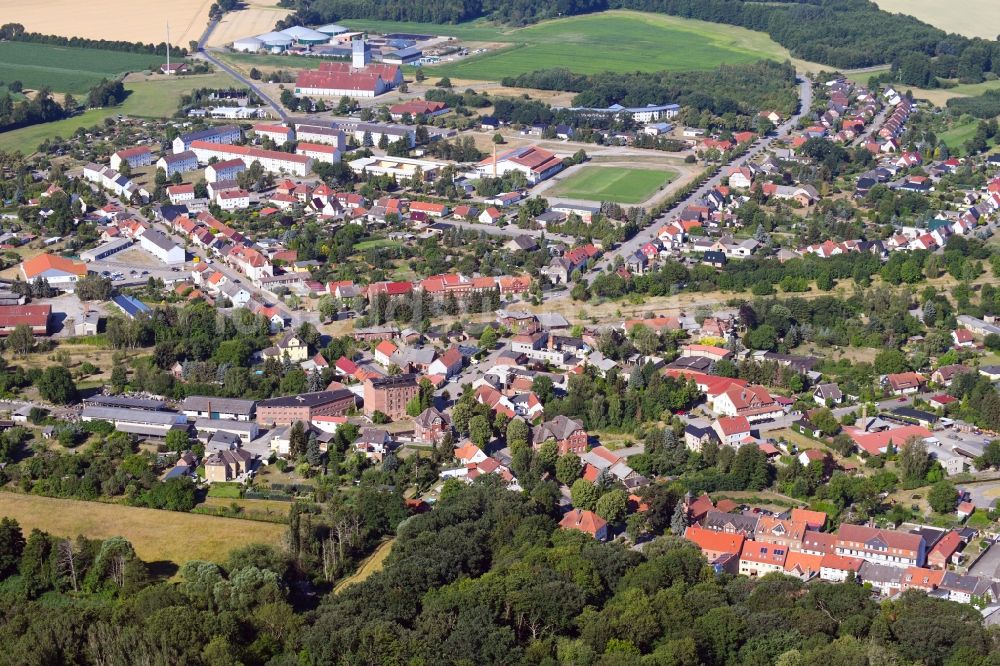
(286, 410)
(389, 395)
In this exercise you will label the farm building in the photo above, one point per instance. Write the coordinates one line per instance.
(248, 45)
(332, 29)
(306, 36)
(35, 316)
(337, 79)
(406, 56)
(275, 42)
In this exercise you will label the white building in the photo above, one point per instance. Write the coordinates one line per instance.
(535, 163)
(177, 163)
(233, 199)
(318, 134)
(277, 133)
(178, 194)
(136, 156)
(400, 167)
(318, 152)
(161, 247)
(225, 134)
(271, 160)
(224, 170)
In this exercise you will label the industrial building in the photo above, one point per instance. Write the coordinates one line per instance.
(142, 422)
(211, 407)
(35, 316)
(59, 272)
(287, 410)
(358, 78)
(106, 250)
(125, 402)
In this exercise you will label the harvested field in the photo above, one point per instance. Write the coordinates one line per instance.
(157, 536)
(972, 18)
(134, 21)
(256, 18)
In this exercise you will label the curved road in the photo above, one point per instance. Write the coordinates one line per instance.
(630, 246)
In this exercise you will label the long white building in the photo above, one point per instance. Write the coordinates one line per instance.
(271, 160)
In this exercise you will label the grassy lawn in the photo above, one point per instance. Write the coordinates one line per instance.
(66, 69)
(225, 490)
(157, 536)
(956, 137)
(376, 244)
(620, 41)
(373, 564)
(618, 184)
(152, 98)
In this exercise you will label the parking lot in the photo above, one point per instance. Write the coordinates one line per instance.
(136, 266)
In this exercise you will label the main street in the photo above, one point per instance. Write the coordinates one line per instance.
(632, 245)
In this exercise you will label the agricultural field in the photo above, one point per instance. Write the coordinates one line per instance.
(158, 536)
(65, 69)
(134, 21)
(617, 184)
(255, 17)
(972, 18)
(151, 97)
(621, 41)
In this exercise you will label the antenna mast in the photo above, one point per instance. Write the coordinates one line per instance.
(168, 47)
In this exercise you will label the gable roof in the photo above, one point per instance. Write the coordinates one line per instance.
(46, 262)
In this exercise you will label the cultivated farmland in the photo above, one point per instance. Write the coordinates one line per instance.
(972, 18)
(256, 17)
(171, 536)
(65, 69)
(617, 184)
(621, 41)
(133, 21)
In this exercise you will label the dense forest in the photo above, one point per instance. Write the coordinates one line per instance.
(728, 89)
(841, 33)
(484, 578)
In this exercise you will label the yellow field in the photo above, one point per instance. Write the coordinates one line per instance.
(972, 18)
(372, 564)
(258, 17)
(157, 536)
(134, 21)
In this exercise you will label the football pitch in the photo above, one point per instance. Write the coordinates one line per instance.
(616, 184)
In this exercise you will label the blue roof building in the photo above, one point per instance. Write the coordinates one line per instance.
(132, 307)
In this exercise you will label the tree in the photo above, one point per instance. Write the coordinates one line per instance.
(825, 420)
(914, 459)
(679, 520)
(488, 339)
(943, 497)
(297, 440)
(177, 440)
(11, 546)
(313, 454)
(480, 431)
(56, 385)
(518, 434)
(613, 506)
(890, 361)
(584, 494)
(21, 340)
(568, 468)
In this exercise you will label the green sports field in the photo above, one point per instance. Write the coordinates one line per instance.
(65, 69)
(620, 41)
(617, 184)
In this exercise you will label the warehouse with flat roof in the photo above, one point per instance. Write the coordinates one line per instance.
(141, 422)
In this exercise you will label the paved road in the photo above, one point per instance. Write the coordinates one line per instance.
(630, 246)
(207, 54)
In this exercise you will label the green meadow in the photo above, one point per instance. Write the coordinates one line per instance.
(617, 184)
(66, 69)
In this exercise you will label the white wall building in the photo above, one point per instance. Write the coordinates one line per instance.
(162, 247)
